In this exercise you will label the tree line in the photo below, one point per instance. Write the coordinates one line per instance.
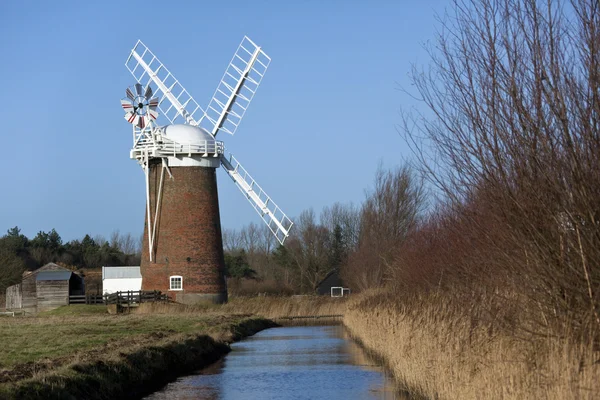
(357, 241)
(19, 253)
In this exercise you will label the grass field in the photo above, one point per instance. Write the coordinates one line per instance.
(69, 330)
(68, 351)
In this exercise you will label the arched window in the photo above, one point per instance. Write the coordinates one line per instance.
(176, 282)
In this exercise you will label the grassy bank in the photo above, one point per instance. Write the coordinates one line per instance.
(73, 352)
(439, 351)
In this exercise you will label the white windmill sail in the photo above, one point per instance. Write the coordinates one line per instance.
(271, 214)
(145, 68)
(237, 88)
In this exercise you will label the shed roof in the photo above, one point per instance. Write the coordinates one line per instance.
(332, 279)
(47, 267)
(53, 276)
(121, 272)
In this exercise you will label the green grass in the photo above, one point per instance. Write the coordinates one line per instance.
(127, 356)
(76, 329)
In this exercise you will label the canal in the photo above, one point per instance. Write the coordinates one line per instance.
(305, 362)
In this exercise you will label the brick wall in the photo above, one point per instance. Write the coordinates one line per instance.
(188, 240)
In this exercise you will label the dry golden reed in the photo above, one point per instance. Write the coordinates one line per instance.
(294, 306)
(437, 352)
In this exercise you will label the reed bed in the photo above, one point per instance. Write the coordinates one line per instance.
(279, 307)
(436, 351)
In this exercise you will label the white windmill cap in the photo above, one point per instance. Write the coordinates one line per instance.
(187, 134)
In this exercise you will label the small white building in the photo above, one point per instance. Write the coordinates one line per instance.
(121, 279)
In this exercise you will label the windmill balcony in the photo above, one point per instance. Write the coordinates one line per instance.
(168, 148)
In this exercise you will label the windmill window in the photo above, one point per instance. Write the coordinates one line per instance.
(176, 282)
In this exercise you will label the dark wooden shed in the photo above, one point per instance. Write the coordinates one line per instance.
(331, 280)
(44, 289)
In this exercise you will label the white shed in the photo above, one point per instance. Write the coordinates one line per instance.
(121, 279)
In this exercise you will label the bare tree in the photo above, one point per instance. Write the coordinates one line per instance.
(308, 247)
(115, 238)
(232, 240)
(100, 240)
(513, 96)
(266, 241)
(347, 217)
(250, 237)
(390, 211)
(127, 244)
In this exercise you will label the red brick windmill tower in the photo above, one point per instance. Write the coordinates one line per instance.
(183, 251)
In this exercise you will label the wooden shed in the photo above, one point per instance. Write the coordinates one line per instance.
(44, 289)
(332, 280)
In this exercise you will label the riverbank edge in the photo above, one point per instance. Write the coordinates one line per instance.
(136, 374)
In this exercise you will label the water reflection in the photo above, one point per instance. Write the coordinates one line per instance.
(315, 362)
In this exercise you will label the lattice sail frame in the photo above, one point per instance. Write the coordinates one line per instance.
(146, 68)
(236, 88)
(224, 113)
(277, 221)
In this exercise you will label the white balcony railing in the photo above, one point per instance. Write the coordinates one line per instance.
(168, 148)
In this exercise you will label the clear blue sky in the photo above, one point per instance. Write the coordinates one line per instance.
(320, 123)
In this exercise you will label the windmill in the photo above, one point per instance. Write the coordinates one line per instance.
(183, 251)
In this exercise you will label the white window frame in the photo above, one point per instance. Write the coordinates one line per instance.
(171, 278)
(343, 292)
